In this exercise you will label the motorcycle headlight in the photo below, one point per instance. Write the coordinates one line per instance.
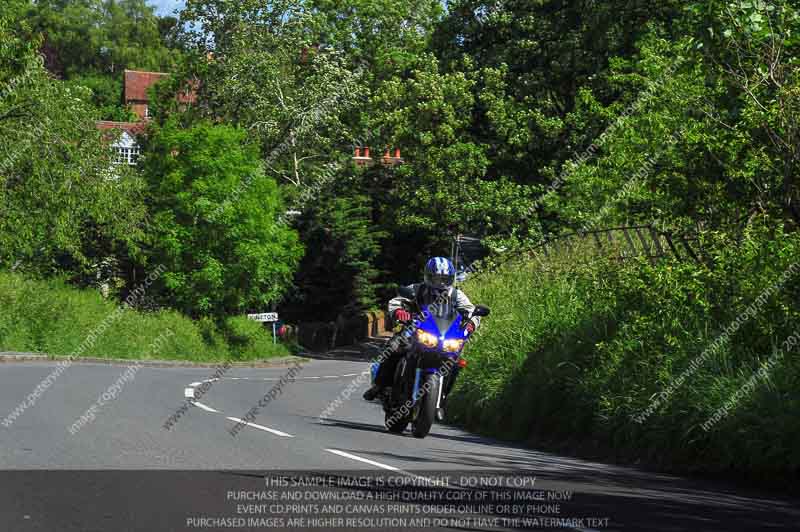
(427, 339)
(453, 346)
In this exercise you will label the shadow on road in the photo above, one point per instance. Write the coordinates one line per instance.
(352, 425)
(364, 352)
(641, 505)
(177, 500)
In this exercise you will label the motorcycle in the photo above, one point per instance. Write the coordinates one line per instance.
(428, 369)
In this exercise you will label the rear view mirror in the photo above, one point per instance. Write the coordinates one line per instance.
(406, 292)
(481, 311)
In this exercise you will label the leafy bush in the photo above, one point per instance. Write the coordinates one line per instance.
(575, 352)
(250, 340)
(50, 317)
(215, 222)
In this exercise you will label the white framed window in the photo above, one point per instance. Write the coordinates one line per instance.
(126, 150)
(126, 155)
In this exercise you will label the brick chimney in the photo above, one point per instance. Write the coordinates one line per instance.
(361, 156)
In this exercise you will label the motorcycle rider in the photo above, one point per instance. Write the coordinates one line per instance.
(437, 291)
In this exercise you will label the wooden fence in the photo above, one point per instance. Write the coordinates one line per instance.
(627, 242)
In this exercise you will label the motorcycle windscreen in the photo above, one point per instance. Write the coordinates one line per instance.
(449, 324)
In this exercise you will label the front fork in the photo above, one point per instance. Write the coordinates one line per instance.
(441, 390)
(446, 381)
(417, 379)
(418, 374)
(418, 384)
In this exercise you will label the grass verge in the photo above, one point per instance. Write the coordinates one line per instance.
(48, 316)
(628, 360)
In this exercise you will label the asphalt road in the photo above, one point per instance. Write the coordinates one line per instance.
(125, 471)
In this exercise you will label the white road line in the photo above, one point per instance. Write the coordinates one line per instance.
(204, 407)
(398, 470)
(261, 427)
(365, 460)
(378, 464)
(189, 393)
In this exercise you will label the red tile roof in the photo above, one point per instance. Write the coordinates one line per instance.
(137, 83)
(134, 128)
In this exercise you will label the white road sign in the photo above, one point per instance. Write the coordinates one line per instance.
(265, 317)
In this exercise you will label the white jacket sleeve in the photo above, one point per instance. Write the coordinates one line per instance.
(463, 305)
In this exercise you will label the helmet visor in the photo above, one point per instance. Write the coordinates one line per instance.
(439, 280)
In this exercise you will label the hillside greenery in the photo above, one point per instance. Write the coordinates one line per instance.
(628, 360)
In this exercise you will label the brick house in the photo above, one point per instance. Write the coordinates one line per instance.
(134, 91)
(134, 94)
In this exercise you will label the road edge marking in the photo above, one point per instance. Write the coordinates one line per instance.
(204, 407)
(380, 465)
(260, 427)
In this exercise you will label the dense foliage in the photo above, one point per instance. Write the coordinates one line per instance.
(61, 209)
(516, 120)
(91, 42)
(630, 360)
(214, 222)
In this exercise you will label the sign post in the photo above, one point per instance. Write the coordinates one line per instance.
(267, 317)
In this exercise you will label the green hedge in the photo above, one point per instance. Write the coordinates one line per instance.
(51, 317)
(574, 353)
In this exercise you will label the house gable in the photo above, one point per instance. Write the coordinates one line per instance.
(126, 146)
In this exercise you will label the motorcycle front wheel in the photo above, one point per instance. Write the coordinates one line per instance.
(395, 422)
(427, 407)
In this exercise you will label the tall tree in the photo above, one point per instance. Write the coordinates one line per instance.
(382, 36)
(441, 190)
(533, 59)
(263, 70)
(339, 273)
(61, 205)
(90, 43)
(100, 36)
(706, 130)
(215, 222)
